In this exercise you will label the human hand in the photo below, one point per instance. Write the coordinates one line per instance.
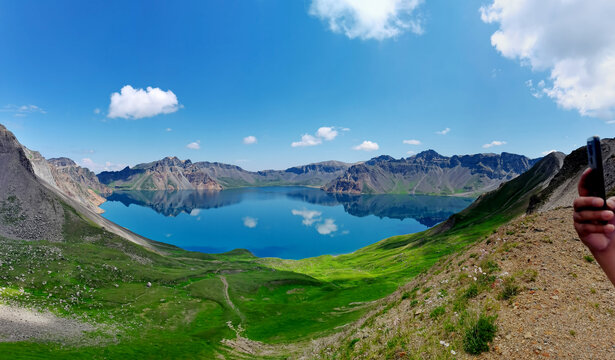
(595, 226)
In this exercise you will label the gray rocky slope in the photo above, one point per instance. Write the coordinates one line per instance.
(172, 173)
(76, 182)
(431, 173)
(33, 209)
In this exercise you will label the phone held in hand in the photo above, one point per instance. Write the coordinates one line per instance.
(595, 179)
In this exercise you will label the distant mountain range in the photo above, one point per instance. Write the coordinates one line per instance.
(431, 173)
(172, 173)
(425, 173)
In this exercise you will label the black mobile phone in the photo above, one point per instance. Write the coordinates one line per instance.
(595, 179)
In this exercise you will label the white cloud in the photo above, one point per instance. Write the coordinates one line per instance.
(327, 227)
(494, 143)
(367, 146)
(369, 19)
(23, 110)
(307, 140)
(547, 152)
(97, 111)
(168, 129)
(326, 132)
(195, 212)
(411, 152)
(250, 222)
(196, 145)
(412, 142)
(309, 216)
(131, 103)
(571, 39)
(96, 167)
(249, 140)
(443, 132)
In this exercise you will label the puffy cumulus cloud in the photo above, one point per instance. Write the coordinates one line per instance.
(327, 227)
(571, 39)
(307, 140)
(494, 143)
(412, 142)
(97, 167)
(131, 103)
(367, 146)
(196, 145)
(248, 140)
(326, 132)
(443, 132)
(369, 19)
(309, 216)
(250, 222)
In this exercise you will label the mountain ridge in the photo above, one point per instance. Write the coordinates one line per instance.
(431, 173)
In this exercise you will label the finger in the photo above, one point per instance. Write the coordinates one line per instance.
(586, 229)
(581, 187)
(610, 202)
(584, 202)
(589, 216)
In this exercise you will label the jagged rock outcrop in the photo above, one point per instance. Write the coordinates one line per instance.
(76, 182)
(562, 190)
(172, 173)
(431, 173)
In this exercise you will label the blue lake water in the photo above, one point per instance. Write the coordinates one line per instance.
(285, 222)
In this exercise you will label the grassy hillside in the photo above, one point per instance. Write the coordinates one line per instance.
(530, 290)
(263, 307)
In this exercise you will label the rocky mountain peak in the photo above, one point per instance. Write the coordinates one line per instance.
(428, 155)
(62, 161)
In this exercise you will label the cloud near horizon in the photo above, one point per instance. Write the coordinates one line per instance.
(572, 40)
(412, 142)
(327, 133)
(23, 110)
(368, 19)
(96, 167)
(367, 146)
(443, 132)
(131, 103)
(494, 143)
(196, 145)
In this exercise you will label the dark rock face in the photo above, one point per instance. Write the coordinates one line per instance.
(28, 210)
(562, 190)
(431, 173)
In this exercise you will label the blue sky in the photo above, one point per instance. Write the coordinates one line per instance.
(277, 70)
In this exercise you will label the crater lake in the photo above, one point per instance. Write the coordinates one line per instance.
(285, 222)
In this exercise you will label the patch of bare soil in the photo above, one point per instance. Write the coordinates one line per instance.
(19, 323)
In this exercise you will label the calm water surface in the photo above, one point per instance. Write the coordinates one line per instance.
(286, 222)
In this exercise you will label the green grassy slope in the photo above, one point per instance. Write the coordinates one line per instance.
(100, 277)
